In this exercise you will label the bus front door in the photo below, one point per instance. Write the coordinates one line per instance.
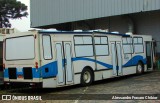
(64, 63)
(116, 58)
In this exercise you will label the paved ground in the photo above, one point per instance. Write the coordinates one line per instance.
(148, 83)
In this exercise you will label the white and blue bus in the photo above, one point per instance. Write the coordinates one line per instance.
(50, 59)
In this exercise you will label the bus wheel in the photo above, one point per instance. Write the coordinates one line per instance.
(140, 68)
(86, 77)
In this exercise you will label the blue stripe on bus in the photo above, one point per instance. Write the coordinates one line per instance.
(134, 61)
(53, 68)
(92, 60)
(35, 72)
(6, 73)
(19, 73)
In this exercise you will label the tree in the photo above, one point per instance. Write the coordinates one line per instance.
(11, 9)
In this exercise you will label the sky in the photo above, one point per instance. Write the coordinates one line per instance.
(22, 24)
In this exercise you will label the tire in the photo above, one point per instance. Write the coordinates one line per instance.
(86, 77)
(139, 68)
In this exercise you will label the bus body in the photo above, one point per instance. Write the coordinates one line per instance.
(56, 59)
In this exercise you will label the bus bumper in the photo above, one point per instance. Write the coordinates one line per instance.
(23, 85)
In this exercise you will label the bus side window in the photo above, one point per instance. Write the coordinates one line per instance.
(101, 46)
(127, 45)
(138, 45)
(83, 46)
(47, 48)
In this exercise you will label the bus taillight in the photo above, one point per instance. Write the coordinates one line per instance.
(36, 65)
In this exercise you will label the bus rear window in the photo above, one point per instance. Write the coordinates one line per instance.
(20, 48)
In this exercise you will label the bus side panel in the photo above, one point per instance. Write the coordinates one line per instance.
(138, 55)
(129, 70)
(79, 64)
(104, 64)
(49, 83)
(48, 63)
(139, 51)
(103, 57)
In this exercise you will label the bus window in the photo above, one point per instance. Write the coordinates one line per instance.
(101, 46)
(127, 45)
(20, 48)
(138, 45)
(83, 46)
(47, 51)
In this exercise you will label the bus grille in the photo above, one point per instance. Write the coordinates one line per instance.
(27, 72)
(12, 73)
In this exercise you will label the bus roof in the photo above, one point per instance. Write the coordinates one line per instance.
(83, 32)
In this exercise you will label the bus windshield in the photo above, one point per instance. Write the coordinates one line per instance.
(20, 48)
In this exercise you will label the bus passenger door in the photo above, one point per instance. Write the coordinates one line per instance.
(68, 62)
(64, 63)
(149, 55)
(116, 58)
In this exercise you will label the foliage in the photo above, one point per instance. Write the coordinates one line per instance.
(11, 9)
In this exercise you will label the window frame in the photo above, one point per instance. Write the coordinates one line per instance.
(138, 44)
(50, 46)
(101, 44)
(19, 59)
(131, 44)
(83, 44)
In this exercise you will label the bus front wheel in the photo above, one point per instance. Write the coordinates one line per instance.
(86, 77)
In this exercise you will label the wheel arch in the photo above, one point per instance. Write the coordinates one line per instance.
(142, 63)
(91, 69)
(91, 72)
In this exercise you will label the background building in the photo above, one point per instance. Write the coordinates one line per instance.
(136, 16)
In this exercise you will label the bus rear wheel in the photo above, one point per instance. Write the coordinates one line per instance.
(86, 77)
(140, 68)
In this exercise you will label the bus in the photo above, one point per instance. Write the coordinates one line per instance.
(51, 59)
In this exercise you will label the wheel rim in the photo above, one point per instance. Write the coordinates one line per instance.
(139, 68)
(87, 77)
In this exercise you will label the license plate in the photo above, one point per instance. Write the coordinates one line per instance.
(20, 76)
